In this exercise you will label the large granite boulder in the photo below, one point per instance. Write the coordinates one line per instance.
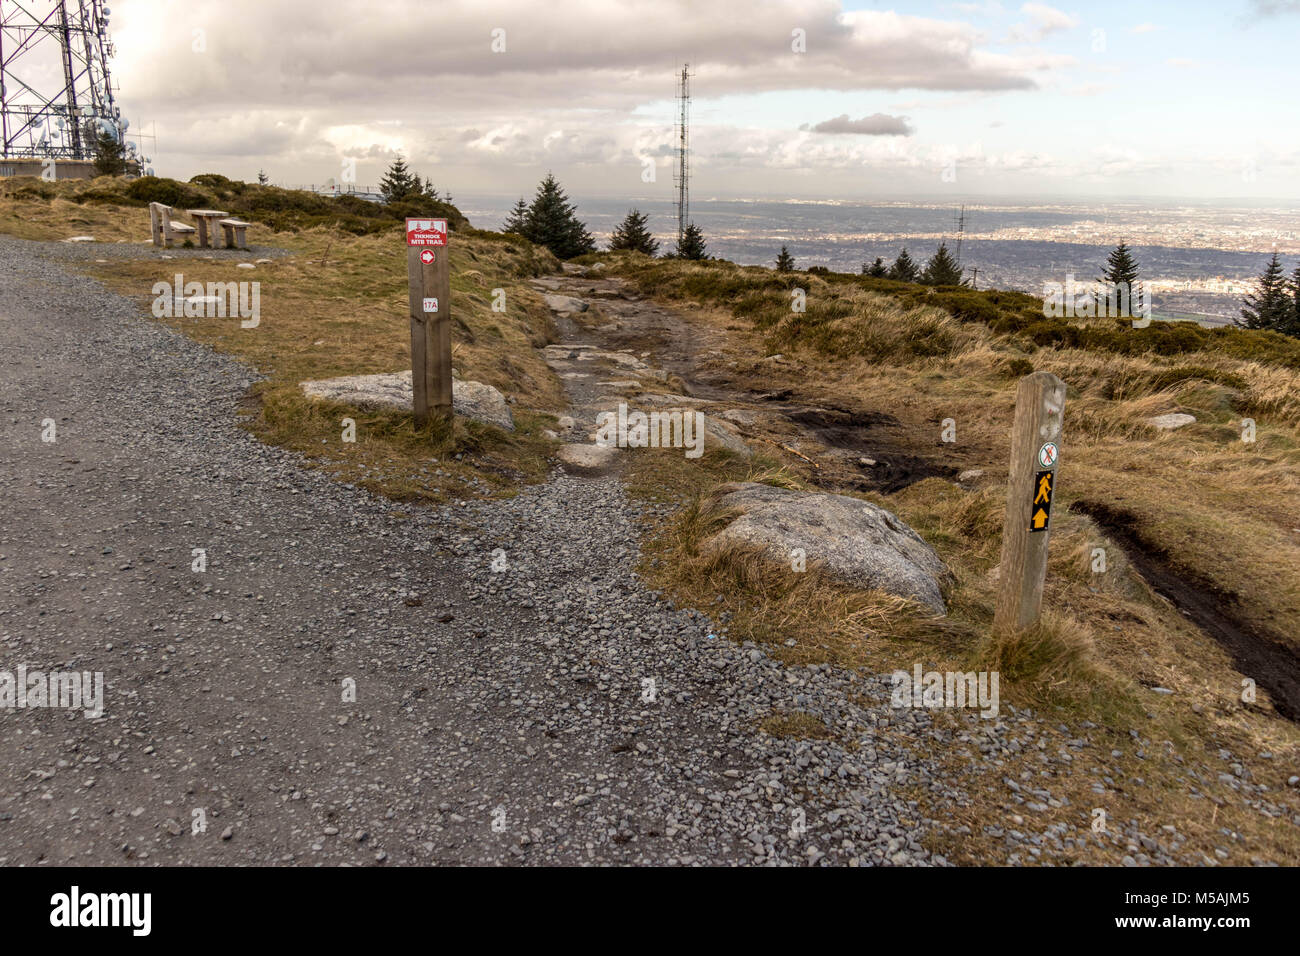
(472, 400)
(854, 540)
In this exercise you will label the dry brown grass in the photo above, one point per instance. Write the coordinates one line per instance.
(337, 305)
(1224, 510)
(796, 724)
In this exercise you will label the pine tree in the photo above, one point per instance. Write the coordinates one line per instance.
(903, 269)
(262, 178)
(110, 154)
(877, 269)
(517, 221)
(785, 261)
(1120, 277)
(399, 183)
(633, 235)
(428, 191)
(553, 224)
(691, 244)
(1271, 306)
(942, 269)
(1293, 327)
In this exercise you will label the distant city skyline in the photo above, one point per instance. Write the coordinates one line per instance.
(923, 99)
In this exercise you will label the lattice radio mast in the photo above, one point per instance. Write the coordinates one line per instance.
(56, 92)
(682, 177)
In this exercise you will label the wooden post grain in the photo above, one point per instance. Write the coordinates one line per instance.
(419, 337)
(437, 283)
(1035, 456)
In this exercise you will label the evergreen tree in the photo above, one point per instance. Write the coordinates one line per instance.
(1293, 327)
(785, 261)
(553, 224)
(691, 244)
(517, 221)
(942, 269)
(110, 154)
(632, 234)
(1121, 274)
(399, 183)
(877, 269)
(1271, 306)
(428, 191)
(262, 178)
(903, 269)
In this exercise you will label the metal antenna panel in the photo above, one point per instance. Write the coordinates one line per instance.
(56, 92)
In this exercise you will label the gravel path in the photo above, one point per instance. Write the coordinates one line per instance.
(499, 715)
(520, 696)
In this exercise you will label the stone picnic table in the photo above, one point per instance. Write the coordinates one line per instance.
(207, 222)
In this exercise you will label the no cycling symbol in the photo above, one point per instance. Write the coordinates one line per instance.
(1048, 454)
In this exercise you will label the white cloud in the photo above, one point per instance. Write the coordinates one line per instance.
(877, 124)
(1043, 22)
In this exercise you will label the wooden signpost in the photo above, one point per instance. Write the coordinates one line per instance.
(430, 299)
(1035, 454)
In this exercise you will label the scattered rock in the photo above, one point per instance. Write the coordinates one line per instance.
(1167, 423)
(853, 539)
(565, 304)
(588, 459)
(741, 416)
(724, 435)
(970, 475)
(481, 403)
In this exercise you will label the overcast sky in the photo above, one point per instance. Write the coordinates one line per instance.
(889, 99)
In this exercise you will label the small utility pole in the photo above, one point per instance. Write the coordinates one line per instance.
(1035, 455)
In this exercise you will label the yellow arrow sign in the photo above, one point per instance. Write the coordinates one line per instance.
(1041, 508)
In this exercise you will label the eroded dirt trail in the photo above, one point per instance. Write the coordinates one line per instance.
(622, 346)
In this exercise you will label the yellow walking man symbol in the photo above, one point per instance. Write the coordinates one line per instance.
(1044, 489)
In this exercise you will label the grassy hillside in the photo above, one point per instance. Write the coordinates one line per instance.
(1225, 511)
(1221, 515)
(1220, 512)
(76, 201)
(335, 305)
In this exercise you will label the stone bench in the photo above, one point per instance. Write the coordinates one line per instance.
(235, 230)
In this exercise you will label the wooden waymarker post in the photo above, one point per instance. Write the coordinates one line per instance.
(1035, 455)
(430, 298)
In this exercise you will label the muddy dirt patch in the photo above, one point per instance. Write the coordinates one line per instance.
(1270, 664)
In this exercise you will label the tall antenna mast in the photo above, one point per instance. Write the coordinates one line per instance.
(682, 177)
(45, 43)
(961, 231)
